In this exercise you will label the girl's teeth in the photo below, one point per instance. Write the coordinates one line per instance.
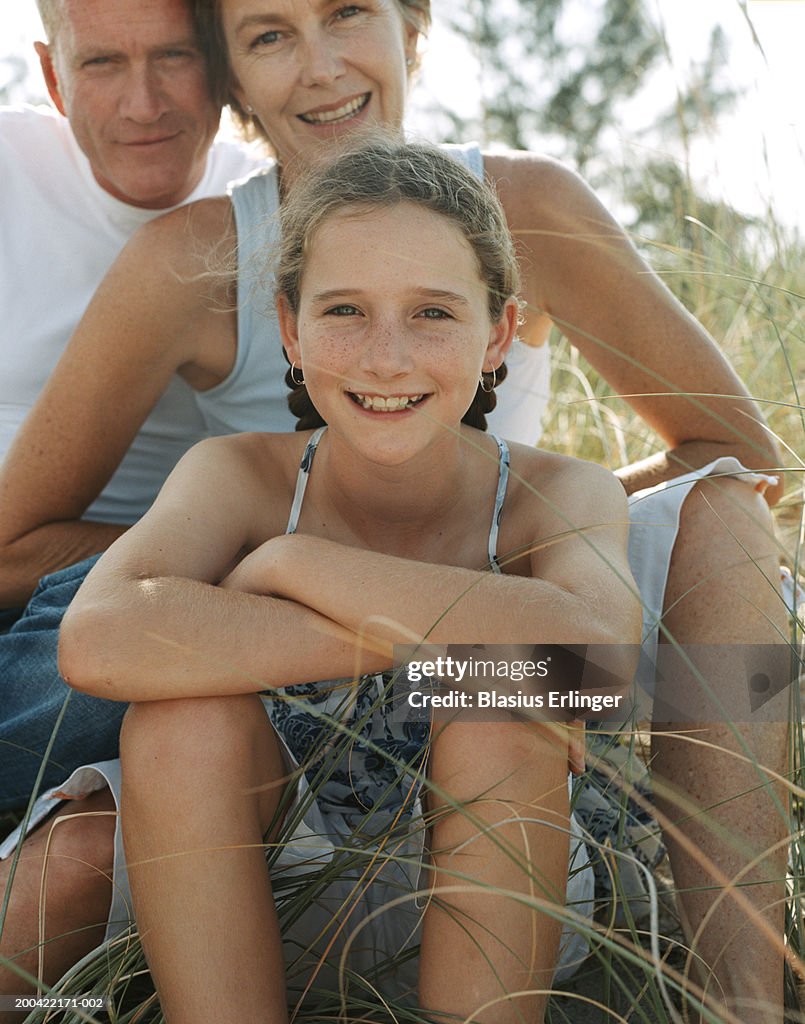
(379, 404)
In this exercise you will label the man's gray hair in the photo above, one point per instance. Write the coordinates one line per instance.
(50, 11)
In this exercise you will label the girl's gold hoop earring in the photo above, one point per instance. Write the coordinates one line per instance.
(301, 380)
(484, 379)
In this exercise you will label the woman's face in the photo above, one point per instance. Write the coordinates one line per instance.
(312, 70)
(393, 328)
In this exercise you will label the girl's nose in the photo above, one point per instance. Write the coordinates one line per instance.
(387, 352)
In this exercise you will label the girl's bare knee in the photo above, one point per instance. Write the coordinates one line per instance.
(501, 760)
(198, 733)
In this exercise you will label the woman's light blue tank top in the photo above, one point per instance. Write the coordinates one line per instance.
(254, 395)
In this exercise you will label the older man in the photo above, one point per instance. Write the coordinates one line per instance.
(131, 137)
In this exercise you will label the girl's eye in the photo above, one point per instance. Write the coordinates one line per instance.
(434, 313)
(347, 12)
(344, 309)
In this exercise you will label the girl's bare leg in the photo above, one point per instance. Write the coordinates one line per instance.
(722, 591)
(202, 781)
(78, 842)
(478, 947)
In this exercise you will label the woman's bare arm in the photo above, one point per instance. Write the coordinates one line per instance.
(153, 315)
(581, 272)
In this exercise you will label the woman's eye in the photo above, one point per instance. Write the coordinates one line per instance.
(347, 12)
(267, 38)
(344, 309)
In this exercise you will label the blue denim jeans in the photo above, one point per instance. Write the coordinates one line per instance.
(32, 694)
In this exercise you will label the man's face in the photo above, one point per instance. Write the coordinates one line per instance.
(133, 83)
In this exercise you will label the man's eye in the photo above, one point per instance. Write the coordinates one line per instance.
(95, 62)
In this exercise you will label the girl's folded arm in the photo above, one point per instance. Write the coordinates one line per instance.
(580, 589)
(151, 622)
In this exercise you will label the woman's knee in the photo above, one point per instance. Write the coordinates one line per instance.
(77, 845)
(724, 573)
(726, 514)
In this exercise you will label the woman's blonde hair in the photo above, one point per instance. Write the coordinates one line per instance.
(383, 173)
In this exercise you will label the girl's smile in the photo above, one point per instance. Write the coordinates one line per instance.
(388, 404)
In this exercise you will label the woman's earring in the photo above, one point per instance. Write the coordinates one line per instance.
(409, 62)
(301, 380)
(484, 380)
(249, 109)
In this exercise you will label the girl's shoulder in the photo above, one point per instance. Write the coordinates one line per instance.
(250, 472)
(560, 484)
(263, 460)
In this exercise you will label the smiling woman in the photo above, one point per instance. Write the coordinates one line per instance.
(357, 57)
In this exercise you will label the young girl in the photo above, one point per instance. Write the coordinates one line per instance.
(270, 560)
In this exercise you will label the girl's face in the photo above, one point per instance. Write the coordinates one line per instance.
(313, 70)
(393, 328)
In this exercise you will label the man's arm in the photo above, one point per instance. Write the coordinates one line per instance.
(151, 317)
(581, 272)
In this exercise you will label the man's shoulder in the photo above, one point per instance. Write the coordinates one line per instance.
(229, 161)
(27, 129)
